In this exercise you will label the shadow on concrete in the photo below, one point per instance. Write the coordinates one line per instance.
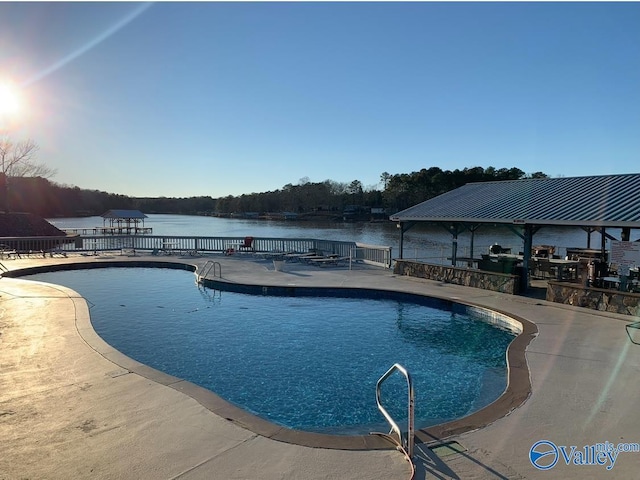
(429, 465)
(539, 293)
(294, 273)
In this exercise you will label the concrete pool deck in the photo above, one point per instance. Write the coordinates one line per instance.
(69, 410)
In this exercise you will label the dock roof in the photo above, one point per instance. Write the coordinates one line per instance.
(593, 201)
(124, 214)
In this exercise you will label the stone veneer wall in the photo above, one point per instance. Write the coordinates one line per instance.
(601, 299)
(497, 282)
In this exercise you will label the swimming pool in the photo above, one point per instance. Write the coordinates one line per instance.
(309, 363)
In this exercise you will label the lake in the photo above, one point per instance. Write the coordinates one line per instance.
(428, 243)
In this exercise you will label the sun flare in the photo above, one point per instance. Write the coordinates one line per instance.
(9, 100)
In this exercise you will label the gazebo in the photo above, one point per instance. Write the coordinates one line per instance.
(593, 203)
(124, 222)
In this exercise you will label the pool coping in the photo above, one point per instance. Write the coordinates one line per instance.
(516, 393)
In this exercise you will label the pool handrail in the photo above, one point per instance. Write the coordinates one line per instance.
(409, 442)
(207, 267)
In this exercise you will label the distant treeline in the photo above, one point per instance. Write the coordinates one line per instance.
(47, 199)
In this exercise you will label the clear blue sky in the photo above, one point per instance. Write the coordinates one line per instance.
(185, 99)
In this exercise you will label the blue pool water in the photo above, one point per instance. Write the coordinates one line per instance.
(309, 363)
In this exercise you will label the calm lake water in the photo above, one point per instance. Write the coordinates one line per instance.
(429, 243)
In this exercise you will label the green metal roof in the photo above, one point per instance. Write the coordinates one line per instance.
(599, 201)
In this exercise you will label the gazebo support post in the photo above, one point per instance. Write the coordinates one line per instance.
(403, 226)
(472, 229)
(526, 233)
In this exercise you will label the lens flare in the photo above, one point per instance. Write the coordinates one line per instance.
(9, 100)
(91, 44)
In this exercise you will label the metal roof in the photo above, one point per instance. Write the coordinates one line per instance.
(27, 225)
(126, 214)
(599, 201)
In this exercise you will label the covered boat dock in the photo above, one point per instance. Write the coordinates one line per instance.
(123, 222)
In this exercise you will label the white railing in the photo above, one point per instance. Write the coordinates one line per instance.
(370, 254)
(36, 245)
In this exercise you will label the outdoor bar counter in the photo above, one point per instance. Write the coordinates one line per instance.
(577, 292)
(596, 298)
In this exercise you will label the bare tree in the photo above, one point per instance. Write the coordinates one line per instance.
(18, 160)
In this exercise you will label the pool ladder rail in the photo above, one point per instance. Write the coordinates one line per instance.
(207, 268)
(405, 443)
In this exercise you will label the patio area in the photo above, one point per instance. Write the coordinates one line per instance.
(71, 410)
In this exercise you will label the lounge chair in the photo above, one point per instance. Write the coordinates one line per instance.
(8, 252)
(57, 252)
(328, 260)
(312, 256)
(301, 257)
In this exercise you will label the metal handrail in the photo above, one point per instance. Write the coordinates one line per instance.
(208, 266)
(408, 443)
(635, 325)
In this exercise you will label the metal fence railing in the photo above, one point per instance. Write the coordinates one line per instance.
(35, 244)
(371, 254)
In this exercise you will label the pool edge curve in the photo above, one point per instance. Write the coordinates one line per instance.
(515, 394)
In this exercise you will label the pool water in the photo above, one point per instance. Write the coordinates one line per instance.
(309, 363)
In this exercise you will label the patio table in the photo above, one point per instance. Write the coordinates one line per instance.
(563, 265)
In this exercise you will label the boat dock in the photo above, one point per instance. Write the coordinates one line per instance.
(112, 230)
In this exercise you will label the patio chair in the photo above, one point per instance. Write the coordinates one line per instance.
(247, 245)
(534, 268)
(546, 269)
